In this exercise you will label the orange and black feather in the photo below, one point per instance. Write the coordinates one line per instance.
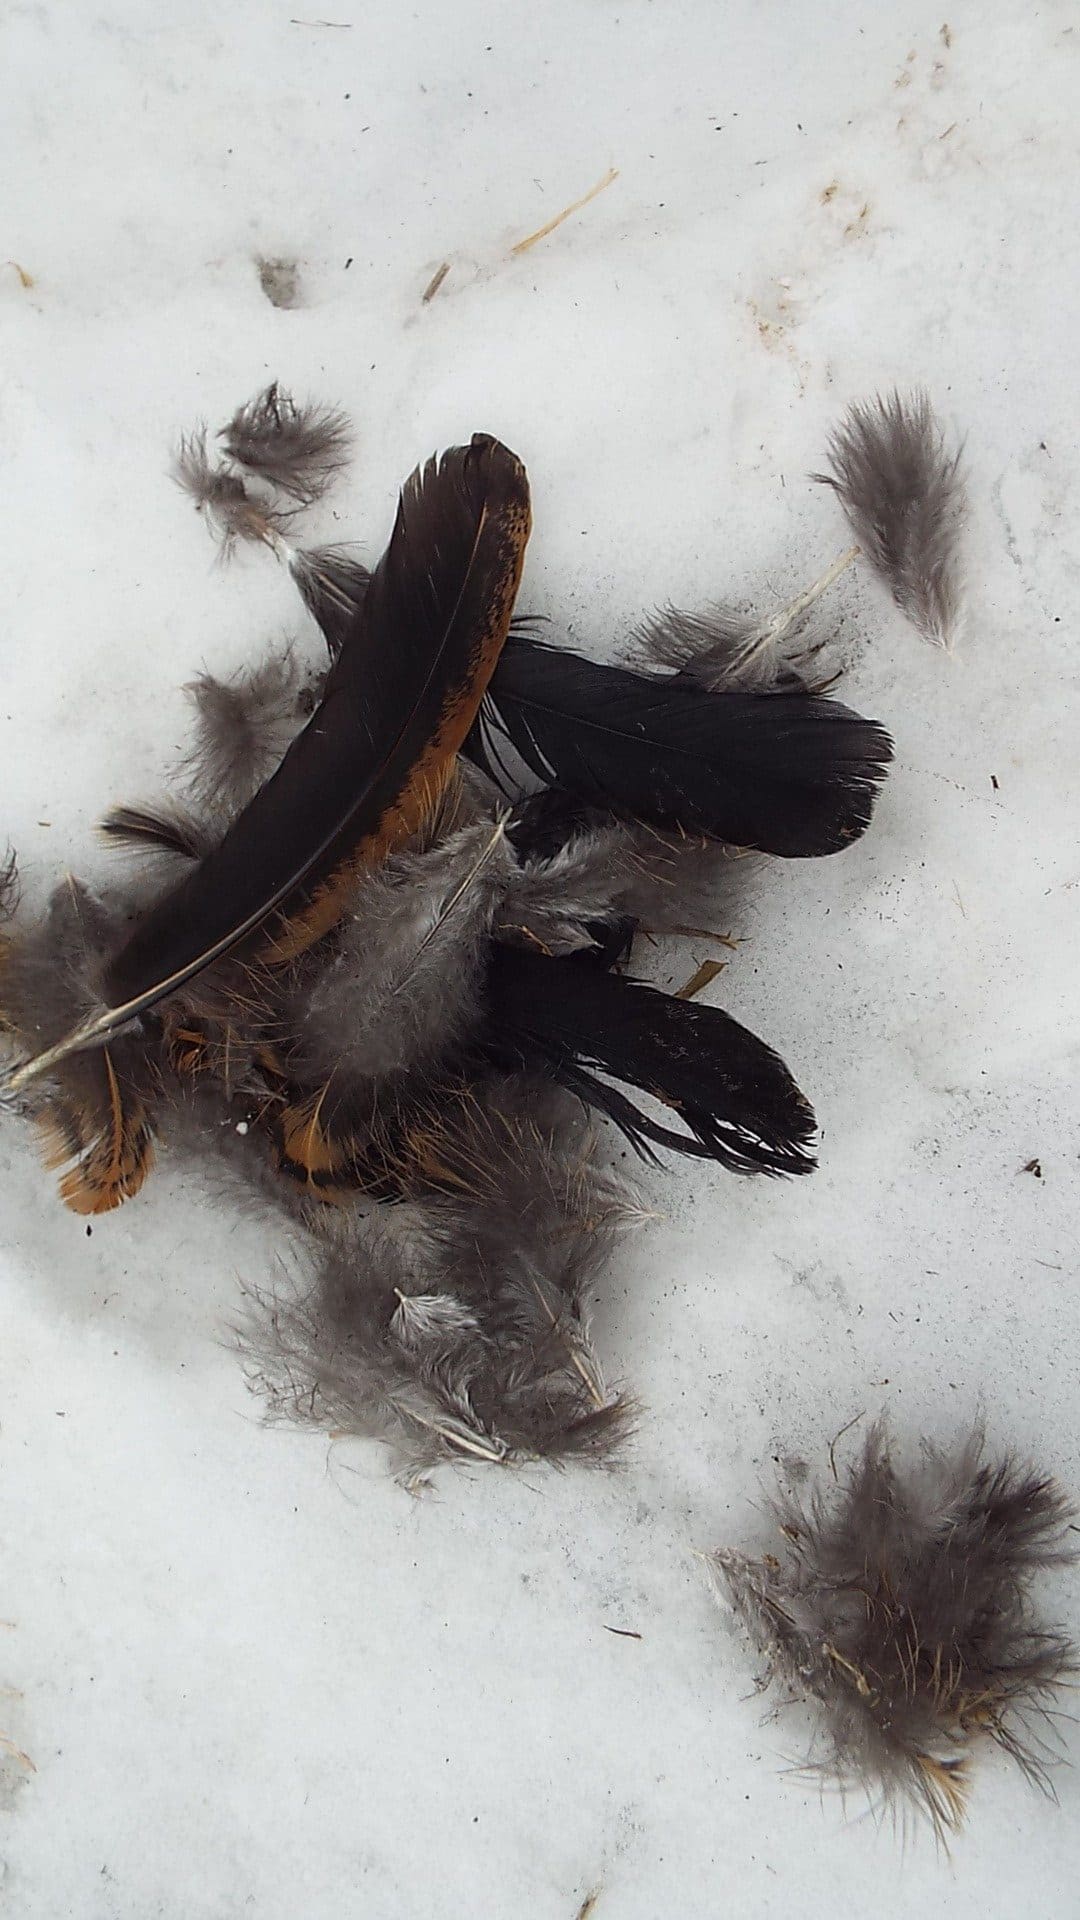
(372, 761)
(107, 1135)
(376, 753)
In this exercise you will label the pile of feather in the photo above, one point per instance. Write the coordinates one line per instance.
(373, 958)
(375, 949)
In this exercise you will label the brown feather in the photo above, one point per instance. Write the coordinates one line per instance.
(110, 1141)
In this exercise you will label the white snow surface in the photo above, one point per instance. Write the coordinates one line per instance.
(252, 1673)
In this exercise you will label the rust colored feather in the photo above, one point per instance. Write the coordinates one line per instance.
(111, 1144)
(310, 1152)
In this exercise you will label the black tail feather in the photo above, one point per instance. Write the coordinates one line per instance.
(735, 1097)
(786, 773)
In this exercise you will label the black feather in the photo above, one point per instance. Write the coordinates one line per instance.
(735, 1097)
(366, 769)
(785, 773)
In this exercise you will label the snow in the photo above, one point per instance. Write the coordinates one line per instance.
(253, 1675)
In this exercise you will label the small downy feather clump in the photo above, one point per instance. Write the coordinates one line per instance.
(298, 450)
(901, 1604)
(455, 1325)
(903, 490)
(370, 957)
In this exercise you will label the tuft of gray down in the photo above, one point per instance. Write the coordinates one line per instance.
(404, 983)
(232, 511)
(457, 1327)
(724, 651)
(243, 727)
(903, 490)
(297, 450)
(901, 1604)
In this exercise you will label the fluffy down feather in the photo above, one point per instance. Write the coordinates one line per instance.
(232, 511)
(243, 727)
(459, 1328)
(297, 450)
(404, 982)
(902, 1605)
(904, 493)
(728, 652)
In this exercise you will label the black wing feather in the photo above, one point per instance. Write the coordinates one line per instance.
(786, 773)
(737, 1101)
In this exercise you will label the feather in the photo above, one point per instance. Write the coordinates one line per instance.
(564, 902)
(734, 1095)
(243, 728)
(231, 510)
(904, 492)
(366, 770)
(581, 868)
(165, 828)
(108, 1136)
(405, 981)
(716, 648)
(92, 1112)
(902, 1606)
(787, 773)
(298, 450)
(332, 585)
(727, 652)
(458, 1329)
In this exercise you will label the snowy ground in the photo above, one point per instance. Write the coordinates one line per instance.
(252, 1674)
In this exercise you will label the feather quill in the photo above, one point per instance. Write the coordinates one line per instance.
(367, 769)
